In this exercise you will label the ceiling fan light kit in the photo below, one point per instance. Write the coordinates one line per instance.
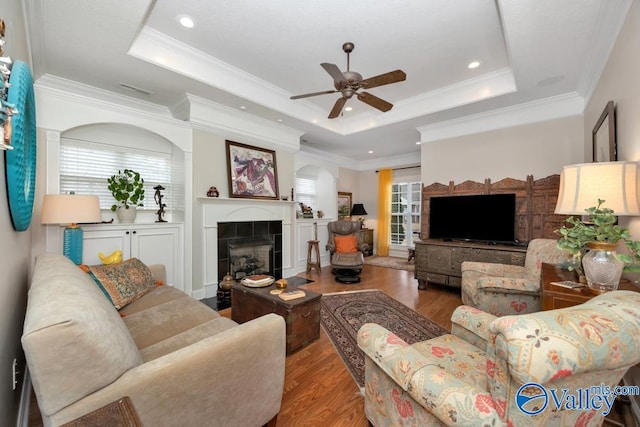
(348, 83)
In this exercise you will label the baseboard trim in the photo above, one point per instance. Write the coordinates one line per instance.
(25, 400)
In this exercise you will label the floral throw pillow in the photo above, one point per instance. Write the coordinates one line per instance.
(124, 282)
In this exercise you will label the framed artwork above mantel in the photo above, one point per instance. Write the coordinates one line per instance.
(252, 172)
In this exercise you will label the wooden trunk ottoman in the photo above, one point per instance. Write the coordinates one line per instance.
(301, 315)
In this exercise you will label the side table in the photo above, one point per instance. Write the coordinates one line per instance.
(302, 315)
(366, 234)
(554, 297)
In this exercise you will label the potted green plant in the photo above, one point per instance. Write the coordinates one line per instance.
(593, 246)
(127, 187)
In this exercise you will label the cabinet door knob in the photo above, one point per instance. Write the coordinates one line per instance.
(126, 232)
(134, 231)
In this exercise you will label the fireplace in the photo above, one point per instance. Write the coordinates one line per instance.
(250, 247)
(250, 255)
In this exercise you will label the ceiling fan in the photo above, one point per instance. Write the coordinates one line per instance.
(349, 82)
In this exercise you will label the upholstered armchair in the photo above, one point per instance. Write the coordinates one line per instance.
(502, 289)
(475, 375)
(345, 246)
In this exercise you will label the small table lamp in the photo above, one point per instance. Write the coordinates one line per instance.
(71, 209)
(358, 210)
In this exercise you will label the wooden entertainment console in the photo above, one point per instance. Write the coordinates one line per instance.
(439, 262)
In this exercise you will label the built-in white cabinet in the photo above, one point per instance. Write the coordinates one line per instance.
(151, 243)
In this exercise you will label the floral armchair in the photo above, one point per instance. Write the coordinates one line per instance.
(488, 368)
(502, 289)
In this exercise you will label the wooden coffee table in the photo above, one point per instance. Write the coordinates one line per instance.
(302, 315)
(559, 297)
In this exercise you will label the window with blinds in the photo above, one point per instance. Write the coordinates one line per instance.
(306, 190)
(85, 167)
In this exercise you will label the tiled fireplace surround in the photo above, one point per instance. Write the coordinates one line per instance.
(233, 232)
(252, 218)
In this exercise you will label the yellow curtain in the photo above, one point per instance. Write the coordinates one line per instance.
(385, 179)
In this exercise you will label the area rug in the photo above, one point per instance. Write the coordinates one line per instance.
(343, 313)
(390, 262)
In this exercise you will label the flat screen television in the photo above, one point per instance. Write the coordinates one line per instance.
(484, 218)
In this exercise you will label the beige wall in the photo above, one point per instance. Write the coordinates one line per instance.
(620, 82)
(210, 169)
(538, 149)
(15, 250)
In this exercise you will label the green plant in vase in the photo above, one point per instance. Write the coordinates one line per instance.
(600, 234)
(127, 187)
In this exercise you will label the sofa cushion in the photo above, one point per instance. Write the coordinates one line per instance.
(156, 296)
(186, 338)
(124, 282)
(74, 340)
(165, 320)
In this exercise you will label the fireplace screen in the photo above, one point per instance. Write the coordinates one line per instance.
(250, 256)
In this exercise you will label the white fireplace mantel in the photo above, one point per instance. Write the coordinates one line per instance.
(216, 210)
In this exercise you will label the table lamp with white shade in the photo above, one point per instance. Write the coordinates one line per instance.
(71, 209)
(582, 186)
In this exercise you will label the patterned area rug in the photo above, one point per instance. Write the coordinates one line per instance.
(390, 262)
(343, 313)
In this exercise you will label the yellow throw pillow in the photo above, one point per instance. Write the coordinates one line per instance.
(123, 283)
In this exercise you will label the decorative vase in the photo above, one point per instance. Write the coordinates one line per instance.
(126, 216)
(602, 267)
(226, 282)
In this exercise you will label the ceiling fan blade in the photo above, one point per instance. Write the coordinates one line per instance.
(306, 95)
(337, 108)
(384, 79)
(334, 72)
(374, 101)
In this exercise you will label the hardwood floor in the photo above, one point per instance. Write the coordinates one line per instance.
(319, 390)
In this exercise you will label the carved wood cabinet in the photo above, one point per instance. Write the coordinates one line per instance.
(367, 237)
(439, 262)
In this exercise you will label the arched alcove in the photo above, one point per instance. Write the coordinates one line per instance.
(326, 194)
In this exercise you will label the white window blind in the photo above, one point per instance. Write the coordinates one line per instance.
(85, 167)
(306, 190)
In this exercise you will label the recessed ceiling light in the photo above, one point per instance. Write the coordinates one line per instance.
(370, 151)
(348, 109)
(242, 107)
(474, 64)
(418, 143)
(186, 21)
(279, 120)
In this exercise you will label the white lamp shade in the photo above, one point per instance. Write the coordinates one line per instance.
(583, 184)
(70, 209)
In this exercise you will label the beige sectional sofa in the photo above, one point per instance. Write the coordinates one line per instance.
(178, 360)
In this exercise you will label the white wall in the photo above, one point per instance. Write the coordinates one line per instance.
(620, 82)
(15, 248)
(539, 149)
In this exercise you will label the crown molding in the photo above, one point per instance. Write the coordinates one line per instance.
(159, 49)
(483, 87)
(570, 104)
(228, 122)
(605, 36)
(96, 96)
